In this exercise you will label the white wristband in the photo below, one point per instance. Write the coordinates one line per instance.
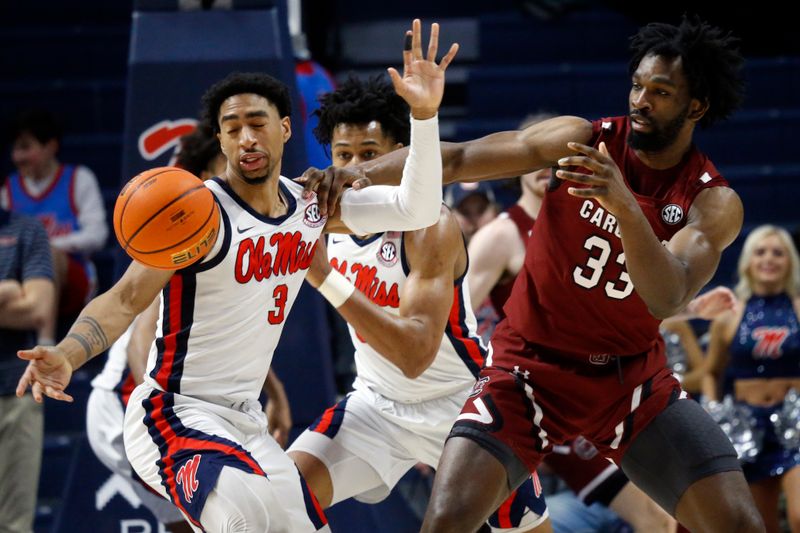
(336, 289)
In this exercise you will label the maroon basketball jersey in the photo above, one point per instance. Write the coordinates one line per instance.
(524, 223)
(574, 294)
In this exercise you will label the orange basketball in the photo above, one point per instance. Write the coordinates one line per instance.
(166, 218)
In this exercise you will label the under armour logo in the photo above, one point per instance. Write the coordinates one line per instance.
(518, 373)
(187, 477)
(599, 358)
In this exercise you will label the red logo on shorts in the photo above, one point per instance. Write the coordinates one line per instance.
(187, 477)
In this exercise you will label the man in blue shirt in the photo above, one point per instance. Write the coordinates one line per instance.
(27, 297)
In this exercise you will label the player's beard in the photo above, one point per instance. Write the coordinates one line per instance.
(660, 136)
(258, 180)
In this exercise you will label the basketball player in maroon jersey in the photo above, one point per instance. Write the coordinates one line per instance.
(497, 254)
(579, 351)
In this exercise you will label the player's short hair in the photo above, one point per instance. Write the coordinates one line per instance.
(258, 83)
(198, 149)
(710, 57)
(359, 101)
(42, 124)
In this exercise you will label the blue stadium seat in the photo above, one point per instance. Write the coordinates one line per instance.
(769, 192)
(65, 52)
(575, 89)
(752, 137)
(772, 82)
(592, 89)
(85, 106)
(57, 13)
(512, 37)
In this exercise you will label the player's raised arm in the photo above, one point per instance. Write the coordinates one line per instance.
(498, 155)
(415, 203)
(100, 323)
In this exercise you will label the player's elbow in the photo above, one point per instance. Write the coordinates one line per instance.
(666, 309)
(421, 217)
(415, 366)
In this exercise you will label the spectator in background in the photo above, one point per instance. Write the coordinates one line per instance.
(474, 205)
(66, 198)
(757, 348)
(26, 301)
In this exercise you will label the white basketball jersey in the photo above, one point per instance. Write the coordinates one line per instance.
(377, 267)
(220, 320)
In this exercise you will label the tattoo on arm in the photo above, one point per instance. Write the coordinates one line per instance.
(84, 343)
(94, 340)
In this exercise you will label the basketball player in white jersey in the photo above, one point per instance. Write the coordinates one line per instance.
(411, 322)
(194, 431)
(127, 360)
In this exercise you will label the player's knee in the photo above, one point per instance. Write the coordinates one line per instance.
(740, 516)
(238, 504)
(247, 516)
(447, 517)
(747, 520)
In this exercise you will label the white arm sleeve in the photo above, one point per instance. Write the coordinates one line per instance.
(415, 203)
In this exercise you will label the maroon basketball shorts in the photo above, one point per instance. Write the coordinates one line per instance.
(530, 399)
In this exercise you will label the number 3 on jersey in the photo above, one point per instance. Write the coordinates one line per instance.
(275, 316)
(588, 276)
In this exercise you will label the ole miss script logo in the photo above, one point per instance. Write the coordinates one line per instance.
(187, 477)
(163, 136)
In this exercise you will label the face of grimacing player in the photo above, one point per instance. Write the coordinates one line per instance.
(352, 144)
(252, 135)
(659, 103)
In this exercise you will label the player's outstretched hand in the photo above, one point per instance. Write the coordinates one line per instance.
(48, 373)
(713, 303)
(329, 185)
(422, 82)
